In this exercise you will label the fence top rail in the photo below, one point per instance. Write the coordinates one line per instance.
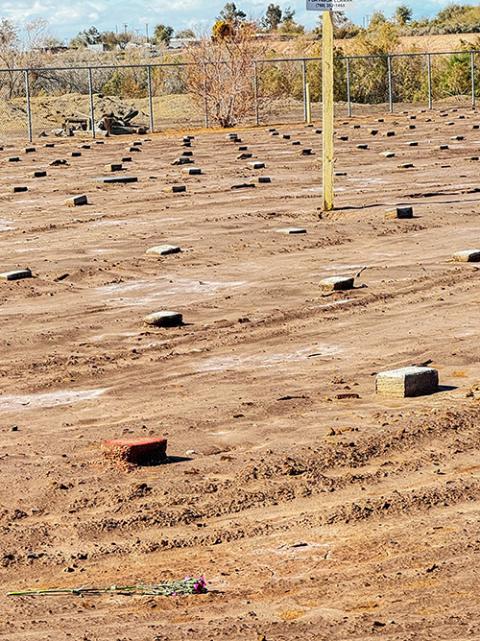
(382, 56)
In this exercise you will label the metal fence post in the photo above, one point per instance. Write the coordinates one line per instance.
(390, 84)
(349, 103)
(92, 106)
(429, 80)
(29, 107)
(304, 82)
(205, 97)
(255, 92)
(150, 98)
(472, 76)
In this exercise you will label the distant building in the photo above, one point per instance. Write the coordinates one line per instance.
(181, 43)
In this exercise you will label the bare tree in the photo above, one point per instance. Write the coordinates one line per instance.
(221, 73)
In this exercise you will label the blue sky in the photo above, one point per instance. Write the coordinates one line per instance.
(66, 19)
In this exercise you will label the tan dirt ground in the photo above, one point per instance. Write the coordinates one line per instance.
(312, 517)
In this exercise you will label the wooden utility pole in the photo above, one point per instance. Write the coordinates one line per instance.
(328, 110)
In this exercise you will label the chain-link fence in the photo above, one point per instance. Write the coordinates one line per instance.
(45, 99)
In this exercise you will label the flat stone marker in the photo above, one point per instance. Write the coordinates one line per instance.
(412, 143)
(286, 136)
(362, 145)
(114, 166)
(137, 149)
(318, 131)
(400, 212)
(40, 173)
(231, 136)
(76, 154)
(193, 171)
(307, 152)
(291, 230)
(337, 283)
(340, 173)
(380, 119)
(137, 451)
(264, 179)
(467, 256)
(77, 201)
(443, 147)
(389, 134)
(16, 274)
(243, 148)
(49, 145)
(243, 186)
(176, 189)
(257, 165)
(85, 146)
(137, 143)
(412, 126)
(406, 165)
(127, 159)
(187, 154)
(388, 154)
(30, 150)
(355, 126)
(58, 162)
(275, 133)
(343, 138)
(244, 156)
(475, 126)
(164, 250)
(13, 159)
(186, 144)
(99, 142)
(407, 382)
(117, 179)
(19, 188)
(457, 138)
(183, 160)
(164, 319)
(373, 132)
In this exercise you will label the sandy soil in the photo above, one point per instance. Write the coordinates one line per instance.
(311, 515)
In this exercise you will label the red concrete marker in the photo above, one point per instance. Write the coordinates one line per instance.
(139, 451)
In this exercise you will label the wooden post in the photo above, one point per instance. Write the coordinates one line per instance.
(328, 110)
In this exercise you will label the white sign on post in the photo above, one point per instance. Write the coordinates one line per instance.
(328, 5)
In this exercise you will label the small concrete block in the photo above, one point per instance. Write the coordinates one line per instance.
(467, 256)
(380, 119)
(474, 158)
(343, 138)
(16, 274)
(443, 147)
(407, 382)
(99, 142)
(30, 150)
(85, 146)
(340, 173)
(115, 166)
(264, 180)
(355, 126)
(183, 160)
(76, 154)
(164, 319)
(49, 145)
(137, 451)
(243, 148)
(257, 165)
(412, 143)
(457, 138)
(137, 143)
(134, 149)
(176, 189)
(231, 136)
(292, 230)
(19, 188)
(13, 159)
(388, 154)
(187, 154)
(164, 250)
(117, 179)
(77, 201)
(58, 162)
(400, 212)
(475, 126)
(286, 136)
(40, 173)
(192, 171)
(186, 144)
(127, 159)
(362, 145)
(307, 152)
(337, 283)
(406, 165)
(373, 132)
(412, 126)
(275, 133)
(318, 131)
(244, 156)
(296, 143)
(389, 134)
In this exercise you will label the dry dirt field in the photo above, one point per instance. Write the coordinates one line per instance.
(315, 509)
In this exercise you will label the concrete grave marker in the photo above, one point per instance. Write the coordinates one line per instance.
(257, 165)
(264, 180)
(175, 189)
(117, 179)
(76, 154)
(30, 150)
(18, 189)
(193, 171)
(400, 213)
(164, 250)
(291, 230)
(337, 283)
(388, 154)
(39, 173)
(467, 256)
(407, 382)
(16, 274)
(115, 166)
(362, 145)
(243, 186)
(164, 319)
(13, 159)
(77, 201)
